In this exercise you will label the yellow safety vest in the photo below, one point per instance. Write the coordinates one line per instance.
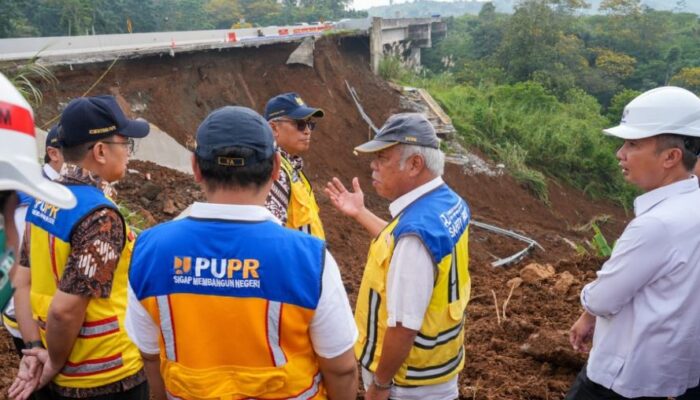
(440, 219)
(102, 353)
(303, 211)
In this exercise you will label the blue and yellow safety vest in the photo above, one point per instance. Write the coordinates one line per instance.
(234, 302)
(102, 353)
(440, 220)
(302, 212)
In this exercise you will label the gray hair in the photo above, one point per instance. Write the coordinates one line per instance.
(434, 158)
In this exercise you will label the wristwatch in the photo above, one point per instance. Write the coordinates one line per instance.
(33, 344)
(379, 386)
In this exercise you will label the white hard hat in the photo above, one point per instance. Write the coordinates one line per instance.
(19, 163)
(658, 111)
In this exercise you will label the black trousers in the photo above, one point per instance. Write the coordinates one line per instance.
(139, 392)
(585, 389)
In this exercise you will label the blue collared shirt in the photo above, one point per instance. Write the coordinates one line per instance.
(646, 299)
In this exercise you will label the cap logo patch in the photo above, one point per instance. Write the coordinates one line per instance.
(98, 131)
(410, 139)
(230, 161)
(299, 101)
(624, 115)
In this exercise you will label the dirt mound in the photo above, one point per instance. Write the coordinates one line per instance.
(505, 361)
(156, 193)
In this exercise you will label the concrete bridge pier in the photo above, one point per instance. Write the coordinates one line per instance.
(403, 37)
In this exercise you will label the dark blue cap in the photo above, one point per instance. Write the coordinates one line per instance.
(290, 105)
(87, 119)
(52, 137)
(234, 126)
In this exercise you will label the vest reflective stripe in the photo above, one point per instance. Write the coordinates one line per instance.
(453, 286)
(370, 345)
(427, 342)
(166, 327)
(435, 371)
(274, 313)
(310, 392)
(99, 328)
(11, 325)
(52, 255)
(92, 367)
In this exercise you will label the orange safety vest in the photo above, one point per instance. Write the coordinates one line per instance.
(233, 310)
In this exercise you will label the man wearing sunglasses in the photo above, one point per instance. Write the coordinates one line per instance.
(292, 199)
(75, 263)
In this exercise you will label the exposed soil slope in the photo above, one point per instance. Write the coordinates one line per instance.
(526, 356)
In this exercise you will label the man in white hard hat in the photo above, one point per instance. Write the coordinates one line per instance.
(642, 310)
(19, 166)
(16, 212)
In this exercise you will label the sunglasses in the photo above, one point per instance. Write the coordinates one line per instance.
(302, 124)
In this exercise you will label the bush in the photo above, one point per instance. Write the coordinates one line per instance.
(536, 135)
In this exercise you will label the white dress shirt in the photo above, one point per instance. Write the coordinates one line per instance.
(332, 330)
(647, 333)
(408, 290)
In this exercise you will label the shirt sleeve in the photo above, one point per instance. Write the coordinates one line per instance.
(639, 257)
(140, 327)
(332, 329)
(96, 245)
(278, 199)
(409, 283)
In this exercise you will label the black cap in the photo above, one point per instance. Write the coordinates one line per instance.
(405, 128)
(290, 105)
(52, 139)
(87, 119)
(234, 126)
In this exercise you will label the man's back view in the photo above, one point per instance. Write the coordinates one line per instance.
(243, 307)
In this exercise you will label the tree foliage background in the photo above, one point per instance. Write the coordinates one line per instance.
(535, 87)
(21, 18)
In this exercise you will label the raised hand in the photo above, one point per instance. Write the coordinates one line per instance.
(348, 203)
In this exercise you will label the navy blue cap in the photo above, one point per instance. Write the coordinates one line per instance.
(234, 126)
(290, 105)
(52, 137)
(405, 128)
(87, 119)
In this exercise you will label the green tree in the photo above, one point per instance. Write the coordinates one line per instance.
(223, 13)
(688, 78)
(616, 65)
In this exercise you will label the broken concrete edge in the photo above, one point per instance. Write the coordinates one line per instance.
(304, 53)
(70, 59)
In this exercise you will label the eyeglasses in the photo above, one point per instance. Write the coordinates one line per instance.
(302, 124)
(130, 143)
